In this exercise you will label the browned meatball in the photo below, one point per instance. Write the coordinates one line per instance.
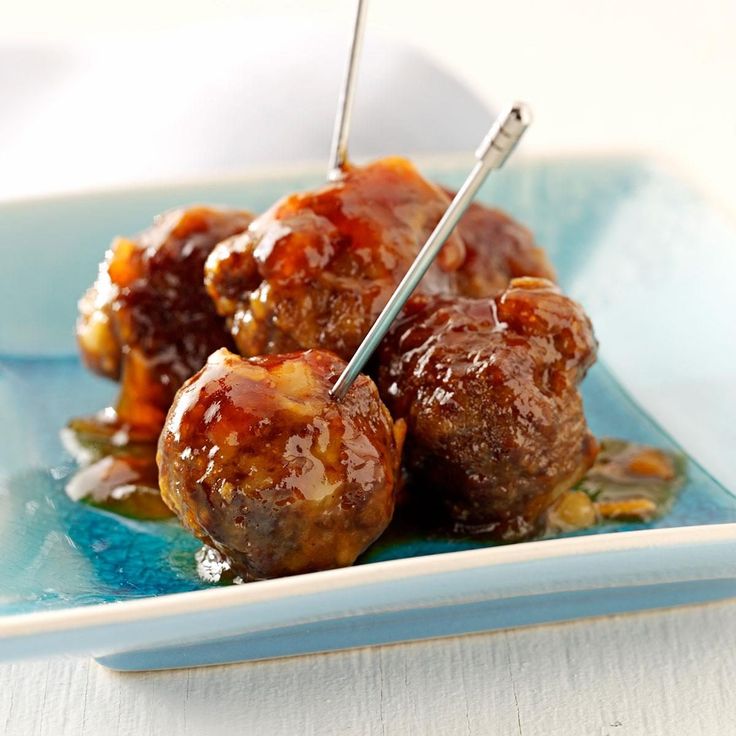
(318, 267)
(489, 392)
(147, 320)
(260, 463)
(498, 249)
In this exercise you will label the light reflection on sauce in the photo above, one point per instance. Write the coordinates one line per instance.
(212, 567)
(628, 482)
(117, 473)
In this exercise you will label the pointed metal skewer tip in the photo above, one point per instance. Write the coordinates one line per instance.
(341, 131)
(492, 153)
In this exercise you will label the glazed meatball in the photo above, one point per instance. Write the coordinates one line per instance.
(318, 267)
(498, 249)
(488, 388)
(147, 320)
(260, 463)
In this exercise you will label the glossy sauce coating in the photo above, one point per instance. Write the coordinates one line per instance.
(147, 321)
(260, 463)
(488, 388)
(498, 249)
(628, 482)
(318, 267)
(117, 471)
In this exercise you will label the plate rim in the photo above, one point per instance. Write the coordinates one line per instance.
(226, 597)
(172, 604)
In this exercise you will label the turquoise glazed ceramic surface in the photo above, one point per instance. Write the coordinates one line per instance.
(627, 240)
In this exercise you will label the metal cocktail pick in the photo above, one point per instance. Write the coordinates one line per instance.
(339, 152)
(496, 147)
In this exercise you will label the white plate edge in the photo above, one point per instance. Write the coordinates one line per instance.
(174, 604)
(25, 624)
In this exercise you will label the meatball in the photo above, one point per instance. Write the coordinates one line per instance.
(498, 250)
(147, 320)
(260, 463)
(488, 388)
(318, 267)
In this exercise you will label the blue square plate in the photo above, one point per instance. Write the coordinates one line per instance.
(648, 259)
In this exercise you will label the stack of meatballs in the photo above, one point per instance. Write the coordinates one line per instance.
(227, 333)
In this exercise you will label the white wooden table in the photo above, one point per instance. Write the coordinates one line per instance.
(671, 672)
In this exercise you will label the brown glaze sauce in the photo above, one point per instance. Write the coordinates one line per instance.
(147, 320)
(628, 482)
(489, 390)
(260, 463)
(117, 472)
(318, 267)
(497, 249)
(257, 460)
